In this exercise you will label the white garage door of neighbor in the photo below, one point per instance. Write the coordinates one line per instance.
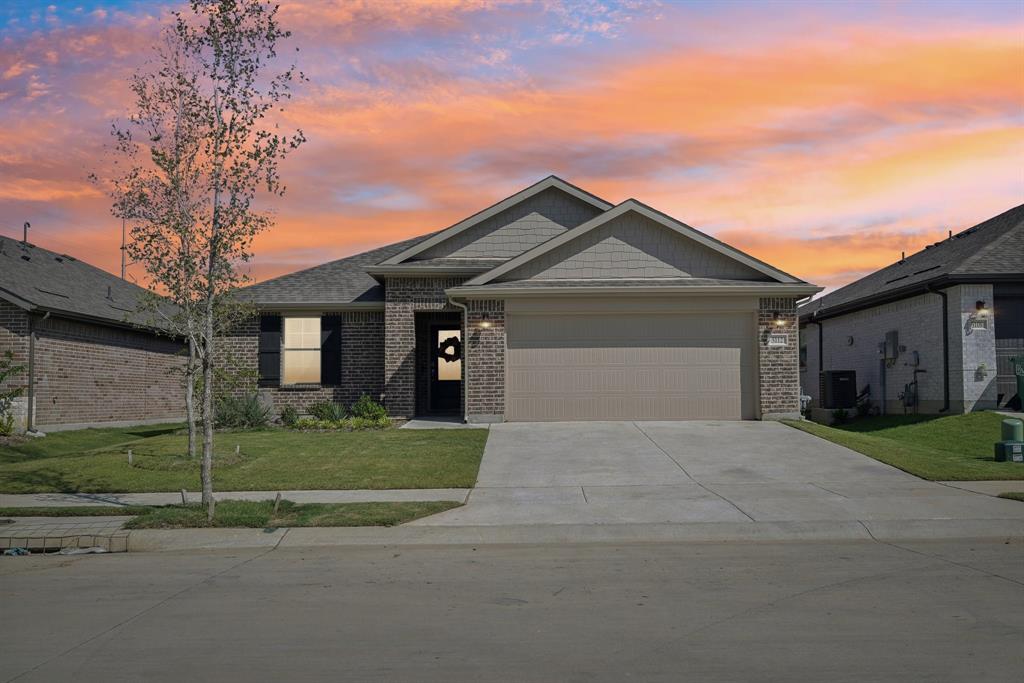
(623, 366)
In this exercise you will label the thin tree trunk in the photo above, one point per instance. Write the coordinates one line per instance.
(190, 398)
(206, 471)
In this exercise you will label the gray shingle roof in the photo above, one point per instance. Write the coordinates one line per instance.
(37, 278)
(992, 248)
(344, 281)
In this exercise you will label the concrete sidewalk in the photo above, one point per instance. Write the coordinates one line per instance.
(170, 498)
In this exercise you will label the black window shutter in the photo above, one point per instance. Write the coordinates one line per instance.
(270, 351)
(330, 350)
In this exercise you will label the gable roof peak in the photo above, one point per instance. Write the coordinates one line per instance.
(548, 182)
(658, 217)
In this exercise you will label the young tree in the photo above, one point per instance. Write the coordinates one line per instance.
(200, 144)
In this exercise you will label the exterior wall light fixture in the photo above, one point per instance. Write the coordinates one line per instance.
(981, 307)
(779, 320)
(485, 320)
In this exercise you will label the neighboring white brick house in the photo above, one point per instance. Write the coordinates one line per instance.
(969, 288)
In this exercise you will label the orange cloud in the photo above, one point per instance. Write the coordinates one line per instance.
(826, 153)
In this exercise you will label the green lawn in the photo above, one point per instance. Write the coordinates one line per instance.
(78, 441)
(1013, 495)
(956, 447)
(250, 514)
(268, 460)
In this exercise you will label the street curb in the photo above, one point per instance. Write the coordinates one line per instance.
(155, 540)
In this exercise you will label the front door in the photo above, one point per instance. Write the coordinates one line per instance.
(445, 368)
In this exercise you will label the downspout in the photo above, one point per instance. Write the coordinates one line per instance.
(465, 357)
(31, 416)
(945, 347)
(30, 425)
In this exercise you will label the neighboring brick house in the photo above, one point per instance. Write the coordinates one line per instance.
(954, 317)
(552, 304)
(86, 365)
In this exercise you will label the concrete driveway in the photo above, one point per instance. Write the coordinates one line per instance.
(685, 472)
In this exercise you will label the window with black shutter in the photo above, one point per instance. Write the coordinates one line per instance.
(330, 350)
(270, 351)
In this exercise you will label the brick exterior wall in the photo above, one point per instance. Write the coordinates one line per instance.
(14, 338)
(87, 373)
(485, 361)
(362, 364)
(972, 349)
(851, 342)
(405, 296)
(779, 365)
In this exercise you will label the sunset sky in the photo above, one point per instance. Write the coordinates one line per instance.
(824, 138)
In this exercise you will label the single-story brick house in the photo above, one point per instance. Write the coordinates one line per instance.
(933, 332)
(68, 323)
(552, 304)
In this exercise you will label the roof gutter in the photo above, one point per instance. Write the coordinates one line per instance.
(314, 306)
(491, 292)
(908, 291)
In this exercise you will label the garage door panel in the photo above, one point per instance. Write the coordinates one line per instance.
(623, 366)
(626, 329)
(565, 382)
(662, 356)
(633, 407)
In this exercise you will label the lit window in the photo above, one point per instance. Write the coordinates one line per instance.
(301, 350)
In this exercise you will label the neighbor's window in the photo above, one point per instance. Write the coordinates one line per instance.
(301, 350)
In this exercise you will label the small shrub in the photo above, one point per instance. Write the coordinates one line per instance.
(241, 412)
(367, 408)
(361, 423)
(348, 424)
(326, 410)
(289, 416)
(840, 416)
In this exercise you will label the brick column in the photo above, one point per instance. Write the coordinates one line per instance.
(779, 365)
(485, 361)
(404, 297)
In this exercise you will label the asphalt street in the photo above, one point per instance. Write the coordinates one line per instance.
(848, 611)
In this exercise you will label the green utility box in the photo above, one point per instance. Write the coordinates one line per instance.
(1011, 448)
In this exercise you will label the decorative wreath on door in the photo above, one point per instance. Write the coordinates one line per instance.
(450, 349)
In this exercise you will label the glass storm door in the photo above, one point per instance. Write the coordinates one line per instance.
(445, 369)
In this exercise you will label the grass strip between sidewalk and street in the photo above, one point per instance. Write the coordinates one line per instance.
(250, 514)
(1013, 495)
(260, 514)
(75, 511)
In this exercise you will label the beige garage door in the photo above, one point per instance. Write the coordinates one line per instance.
(642, 366)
